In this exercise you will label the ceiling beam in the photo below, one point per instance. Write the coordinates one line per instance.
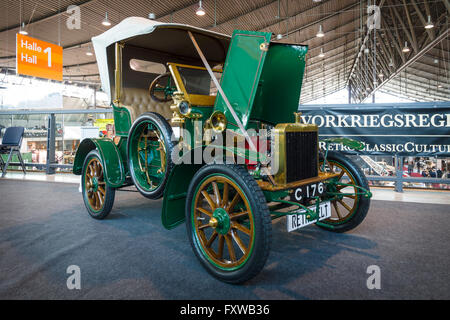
(49, 16)
(441, 37)
(362, 46)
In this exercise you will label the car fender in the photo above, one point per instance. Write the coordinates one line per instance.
(110, 156)
(173, 210)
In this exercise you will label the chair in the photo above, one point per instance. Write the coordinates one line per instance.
(12, 140)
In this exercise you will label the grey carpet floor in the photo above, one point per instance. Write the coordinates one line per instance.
(44, 228)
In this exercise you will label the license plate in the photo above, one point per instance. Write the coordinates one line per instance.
(308, 191)
(297, 221)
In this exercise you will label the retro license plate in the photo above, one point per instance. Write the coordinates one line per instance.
(297, 221)
(308, 191)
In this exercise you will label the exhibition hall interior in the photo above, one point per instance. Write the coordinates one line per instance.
(224, 150)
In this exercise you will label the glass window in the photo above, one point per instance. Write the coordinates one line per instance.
(198, 81)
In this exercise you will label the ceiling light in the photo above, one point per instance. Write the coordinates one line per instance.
(152, 16)
(391, 63)
(317, 0)
(321, 54)
(22, 29)
(429, 24)
(320, 33)
(440, 86)
(381, 76)
(106, 21)
(279, 36)
(406, 48)
(436, 61)
(200, 11)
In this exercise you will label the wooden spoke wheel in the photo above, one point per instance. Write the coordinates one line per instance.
(223, 222)
(149, 154)
(228, 222)
(98, 196)
(349, 206)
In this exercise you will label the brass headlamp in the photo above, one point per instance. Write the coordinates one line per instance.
(218, 121)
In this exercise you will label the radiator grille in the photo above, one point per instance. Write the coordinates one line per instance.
(301, 155)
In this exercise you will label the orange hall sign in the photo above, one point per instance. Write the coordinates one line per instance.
(38, 58)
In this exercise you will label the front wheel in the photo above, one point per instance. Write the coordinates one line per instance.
(349, 193)
(97, 195)
(228, 222)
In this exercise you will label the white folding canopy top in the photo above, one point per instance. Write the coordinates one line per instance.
(165, 38)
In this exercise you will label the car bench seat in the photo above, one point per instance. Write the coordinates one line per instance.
(137, 101)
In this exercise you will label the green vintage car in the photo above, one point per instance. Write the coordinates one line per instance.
(209, 122)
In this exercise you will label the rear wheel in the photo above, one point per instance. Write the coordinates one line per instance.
(97, 195)
(349, 204)
(149, 154)
(228, 222)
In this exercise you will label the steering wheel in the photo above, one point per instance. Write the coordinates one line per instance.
(162, 88)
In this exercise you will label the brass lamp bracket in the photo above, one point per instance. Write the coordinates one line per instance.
(182, 109)
(298, 117)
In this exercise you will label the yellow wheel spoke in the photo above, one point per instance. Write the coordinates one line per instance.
(346, 206)
(337, 210)
(216, 193)
(230, 248)
(100, 198)
(204, 211)
(220, 248)
(211, 240)
(236, 215)
(239, 242)
(233, 202)
(96, 200)
(225, 194)
(240, 227)
(204, 226)
(208, 198)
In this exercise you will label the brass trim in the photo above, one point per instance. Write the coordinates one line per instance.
(267, 186)
(213, 222)
(118, 73)
(194, 99)
(298, 117)
(279, 139)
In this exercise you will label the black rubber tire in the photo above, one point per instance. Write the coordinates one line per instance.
(166, 130)
(261, 216)
(110, 192)
(363, 203)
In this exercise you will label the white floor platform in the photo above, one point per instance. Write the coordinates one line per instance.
(418, 196)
